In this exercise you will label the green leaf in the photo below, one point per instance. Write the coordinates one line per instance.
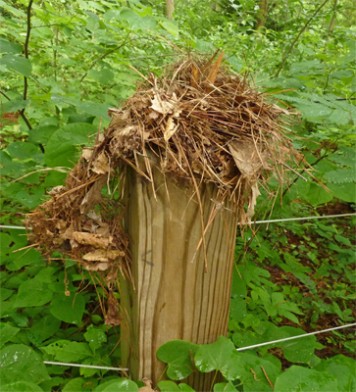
(21, 386)
(7, 332)
(95, 337)
(9, 47)
(17, 63)
(61, 146)
(170, 386)
(118, 385)
(33, 293)
(21, 363)
(343, 369)
(68, 351)
(224, 387)
(344, 192)
(170, 27)
(298, 379)
(42, 329)
(212, 356)
(69, 309)
(177, 354)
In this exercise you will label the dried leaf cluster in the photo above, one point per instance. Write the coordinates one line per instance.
(199, 124)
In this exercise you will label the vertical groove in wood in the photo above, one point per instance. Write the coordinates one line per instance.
(175, 297)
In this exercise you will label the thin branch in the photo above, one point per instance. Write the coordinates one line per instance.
(107, 53)
(302, 30)
(21, 112)
(26, 54)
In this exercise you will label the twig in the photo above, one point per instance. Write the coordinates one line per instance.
(302, 30)
(26, 54)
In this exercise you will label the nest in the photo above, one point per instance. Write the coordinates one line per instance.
(198, 123)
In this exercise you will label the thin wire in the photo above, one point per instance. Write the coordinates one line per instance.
(259, 222)
(304, 218)
(85, 366)
(238, 349)
(295, 337)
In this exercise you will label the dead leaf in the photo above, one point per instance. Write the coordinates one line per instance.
(101, 164)
(103, 255)
(95, 240)
(112, 316)
(252, 202)
(162, 106)
(87, 153)
(246, 158)
(97, 267)
(171, 128)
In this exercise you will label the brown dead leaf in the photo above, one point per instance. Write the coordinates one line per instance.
(103, 255)
(171, 128)
(95, 240)
(112, 316)
(246, 158)
(101, 164)
(97, 267)
(252, 202)
(162, 106)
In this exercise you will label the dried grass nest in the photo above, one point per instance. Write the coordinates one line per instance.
(199, 123)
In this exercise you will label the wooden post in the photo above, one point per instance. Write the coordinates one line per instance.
(178, 293)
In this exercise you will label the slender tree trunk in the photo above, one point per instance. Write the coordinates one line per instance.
(169, 9)
(333, 17)
(262, 14)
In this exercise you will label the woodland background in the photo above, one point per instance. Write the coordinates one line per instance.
(63, 64)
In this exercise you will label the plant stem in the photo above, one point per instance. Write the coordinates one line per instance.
(301, 31)
(26, 54)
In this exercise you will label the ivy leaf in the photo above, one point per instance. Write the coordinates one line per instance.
(178, 356)
(21, 363)
(298, 378)
(16, 63)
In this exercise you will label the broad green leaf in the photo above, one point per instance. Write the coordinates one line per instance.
(343, 369)
(13, 105)
(344, 192)
(224, 387)
(24, 151)
(212, 356)
(95, 337)
(69, 309)
(170, 386)
(42, 329)
(21, 363)
(177, 354)
(68, 351)
(119, 385)
(9, 47)
(170, 27)
(300, 379)
(17, 63)
(7, 332)
(22, 386)
(33, 293)
(74, 385)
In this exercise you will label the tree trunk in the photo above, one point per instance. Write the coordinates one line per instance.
(180, 287)
(169, 9)
(262, 14)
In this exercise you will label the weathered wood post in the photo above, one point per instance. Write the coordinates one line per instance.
(189, 151)
(180, 288)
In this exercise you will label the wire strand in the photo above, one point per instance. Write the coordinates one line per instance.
(295, 337)
(81, 365)
(258, 222)
(118, 369)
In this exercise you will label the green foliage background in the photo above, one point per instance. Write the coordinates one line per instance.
(63, 64)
